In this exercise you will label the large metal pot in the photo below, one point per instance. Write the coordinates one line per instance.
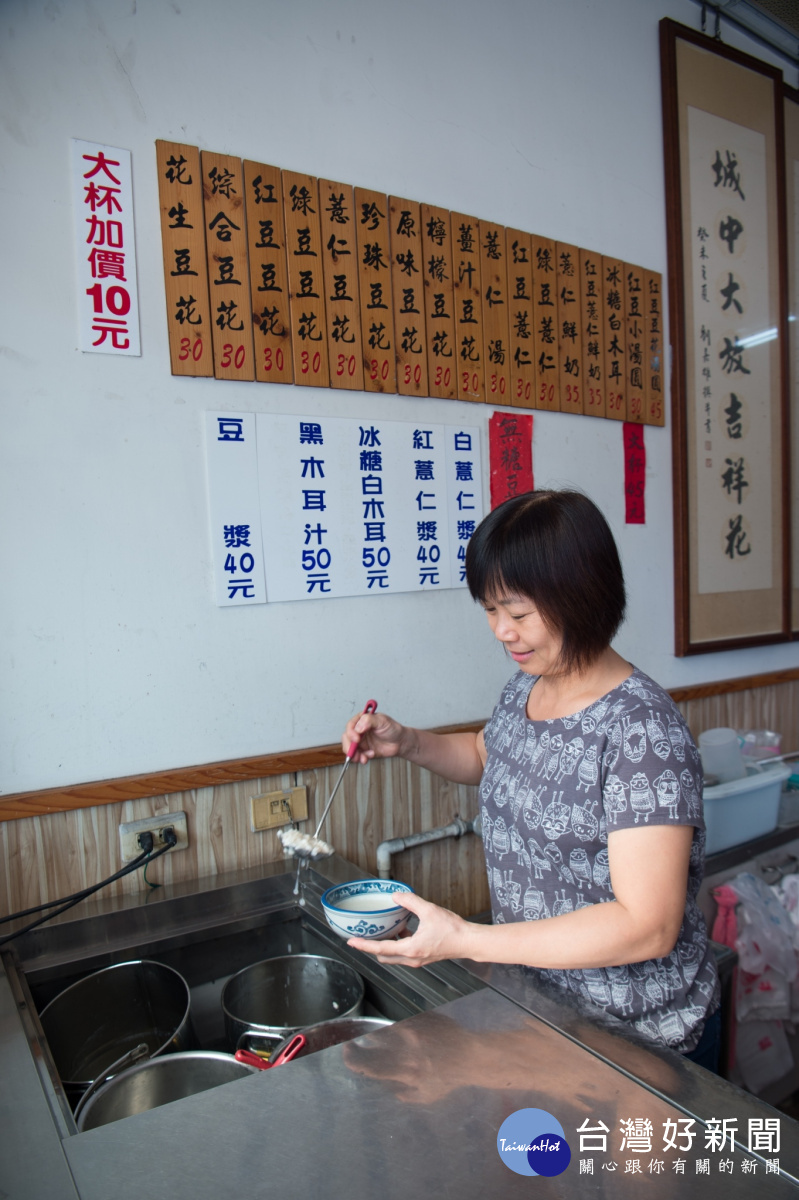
(332, 1033)
(160, 1081)
(98, 1019)
(273, 999)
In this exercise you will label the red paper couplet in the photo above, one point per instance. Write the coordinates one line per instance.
(510, 441)
(634, 473)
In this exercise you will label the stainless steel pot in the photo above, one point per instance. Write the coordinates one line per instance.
(98, 1019)
(160, 1081)
(332, 1033)
(273, 999)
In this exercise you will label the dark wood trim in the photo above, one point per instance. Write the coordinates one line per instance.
(739, 643)
(265, 766)
(745, 683)
(782, 266)
(676, 289)
(708, 42)
(670, 31)
(179, 779)
(792, 95)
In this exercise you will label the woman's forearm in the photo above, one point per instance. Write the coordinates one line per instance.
(455, 756)
(601, 935)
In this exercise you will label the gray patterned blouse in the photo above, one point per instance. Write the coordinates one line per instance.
(550, 793)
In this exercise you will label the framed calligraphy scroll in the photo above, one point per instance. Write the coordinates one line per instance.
(723, 135)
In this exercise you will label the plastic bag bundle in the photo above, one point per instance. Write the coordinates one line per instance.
(765, 995)
(765, 931)
(787, 892)
(764, 1054)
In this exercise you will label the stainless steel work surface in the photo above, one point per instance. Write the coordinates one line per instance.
(681, 1083)
(33, 1165)
(413, 1110)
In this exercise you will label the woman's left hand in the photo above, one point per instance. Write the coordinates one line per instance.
(441, 934)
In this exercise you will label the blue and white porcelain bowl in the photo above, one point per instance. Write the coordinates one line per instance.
(366, 908)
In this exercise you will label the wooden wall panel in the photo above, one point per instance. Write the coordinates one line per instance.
(45, 857)
(775, 707)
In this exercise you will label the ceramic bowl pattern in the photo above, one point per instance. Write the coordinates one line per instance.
(366, 908)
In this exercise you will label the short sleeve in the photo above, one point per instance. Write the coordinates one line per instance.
(651, 771)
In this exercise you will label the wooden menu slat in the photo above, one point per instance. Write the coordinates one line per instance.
(570, 329)
(496, 337)
(466, 284)
(377, 308)
(653, 349)
(439, 302)
(545, 323)
(636, 340)
(228, 268)
(306, 283)
(269, 280)
(518, 249)
(274, 275)
(340, 265)
(407, 289)
(594, 384)
(614, 338)
(180, 193)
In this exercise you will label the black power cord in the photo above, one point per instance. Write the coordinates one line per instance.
(144, 859)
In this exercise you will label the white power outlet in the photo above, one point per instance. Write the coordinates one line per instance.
(129, 833)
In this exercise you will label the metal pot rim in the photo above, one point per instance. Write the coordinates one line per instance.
(281, 1031)
(161, 1063)
(133, 962)
(371, 1025)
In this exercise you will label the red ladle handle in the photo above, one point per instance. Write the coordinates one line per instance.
(253, 1060)
(369, 707)
(291, 1051)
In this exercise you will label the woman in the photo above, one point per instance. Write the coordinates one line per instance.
(590, 788)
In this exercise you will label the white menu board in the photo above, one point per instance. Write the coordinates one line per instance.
(347, 507)
(231, 453)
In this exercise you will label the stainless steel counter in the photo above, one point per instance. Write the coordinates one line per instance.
(413, 1109)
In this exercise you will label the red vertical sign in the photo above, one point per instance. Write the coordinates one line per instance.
(634, 474)
(510, 443)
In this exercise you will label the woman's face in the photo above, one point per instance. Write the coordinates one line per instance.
(516, 622)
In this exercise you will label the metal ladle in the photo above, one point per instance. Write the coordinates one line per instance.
(316, 848)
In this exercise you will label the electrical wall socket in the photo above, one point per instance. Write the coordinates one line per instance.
(129, 834)
(271, 809)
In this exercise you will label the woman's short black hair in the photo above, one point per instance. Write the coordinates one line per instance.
(556, 549)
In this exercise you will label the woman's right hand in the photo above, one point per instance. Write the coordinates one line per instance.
(377, 735)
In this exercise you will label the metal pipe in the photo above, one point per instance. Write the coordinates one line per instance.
(456, 829)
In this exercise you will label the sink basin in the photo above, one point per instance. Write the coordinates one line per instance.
(208, 937)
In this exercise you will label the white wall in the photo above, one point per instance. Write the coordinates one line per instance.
(537, 114)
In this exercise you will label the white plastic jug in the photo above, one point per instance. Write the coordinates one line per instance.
(721, 754)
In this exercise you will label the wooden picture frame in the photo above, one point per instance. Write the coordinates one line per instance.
(728, 287)
(791, 107)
